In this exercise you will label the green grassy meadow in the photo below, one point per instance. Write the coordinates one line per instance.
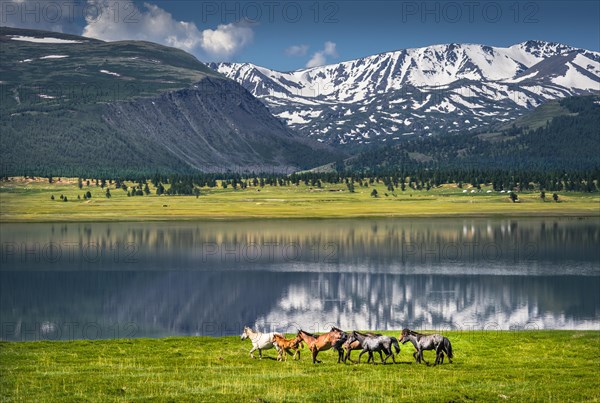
(30, 201)
(519, 366)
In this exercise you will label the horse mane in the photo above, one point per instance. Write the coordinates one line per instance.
(336, 329)
(412, 332)
(366, 333)
(306, 333)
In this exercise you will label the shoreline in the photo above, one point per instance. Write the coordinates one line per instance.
(234, 218)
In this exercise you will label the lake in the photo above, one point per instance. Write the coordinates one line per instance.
(108, 280)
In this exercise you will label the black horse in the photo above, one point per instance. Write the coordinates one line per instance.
(339, 344)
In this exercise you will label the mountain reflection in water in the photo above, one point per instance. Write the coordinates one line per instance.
(159, 279)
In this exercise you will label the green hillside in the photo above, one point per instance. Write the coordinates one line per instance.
(90, 108)
(32, 79)
(539, 116)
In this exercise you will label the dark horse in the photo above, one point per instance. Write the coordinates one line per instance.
(437, 342)
(333, 339)
(371, 344)
(355, 344)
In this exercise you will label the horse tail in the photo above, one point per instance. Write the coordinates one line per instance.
(396, 345)
(448, 347)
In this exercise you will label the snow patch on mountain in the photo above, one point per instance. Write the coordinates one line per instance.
(41, 40)
(53, 57)
(574, 78)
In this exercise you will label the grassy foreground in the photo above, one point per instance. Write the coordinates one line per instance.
(488, 366)
(30, 201)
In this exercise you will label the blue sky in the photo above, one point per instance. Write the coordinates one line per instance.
(288, 35)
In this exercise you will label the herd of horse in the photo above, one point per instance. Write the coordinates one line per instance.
(345, 342)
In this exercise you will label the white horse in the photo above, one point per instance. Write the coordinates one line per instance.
(260, 341)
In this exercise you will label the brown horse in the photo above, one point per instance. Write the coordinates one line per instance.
(333, 339)
(286, 346)
(355, 344)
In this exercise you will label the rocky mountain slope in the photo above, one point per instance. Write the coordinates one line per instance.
(74, 105)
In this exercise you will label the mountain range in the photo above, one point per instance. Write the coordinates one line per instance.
(438, 89)
(74, 106)
(78, 106)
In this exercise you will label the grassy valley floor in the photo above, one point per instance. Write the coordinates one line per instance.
(488, 366)
(30, 201)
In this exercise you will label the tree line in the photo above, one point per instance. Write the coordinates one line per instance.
(392, 180)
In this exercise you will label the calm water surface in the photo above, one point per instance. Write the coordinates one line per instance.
(105, 280)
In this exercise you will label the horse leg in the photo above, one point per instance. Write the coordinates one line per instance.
(314, 356)
(381, 356)
(390, 353)
(372, 357)
(420, 357)
(348, 357)
(260, 353)
(439, 359)
(439, 356)
(252, 351)
(360, 355)
(423, 358)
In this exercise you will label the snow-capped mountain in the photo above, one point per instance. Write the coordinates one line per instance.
(435, 89)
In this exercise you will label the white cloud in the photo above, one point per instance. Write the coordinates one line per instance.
(320, 58)
(226, 40)
(154, 24)
(297, 50)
